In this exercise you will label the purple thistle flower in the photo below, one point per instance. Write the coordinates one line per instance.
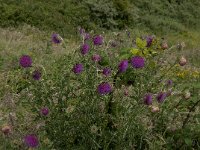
(106, 71)
(78, 68)
(123, 66)
(161, 97)
(137, 62)
(96, 58)
(148, 99)
(31, 141)
(55, 38)
(104, 88)
(36, 75)
(149, 40)
(44, 111)
(169, 83)
(85, 49)
(25, 61)
(98, 40)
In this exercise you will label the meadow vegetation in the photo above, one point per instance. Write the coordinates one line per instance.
(90, 74)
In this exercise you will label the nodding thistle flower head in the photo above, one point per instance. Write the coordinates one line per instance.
(56, 39)
(25, 61)
(104, 88)
(149, 40)
(85, 49)
(31, 141)
(123, 66)
(44, 111)
(137, 62)
(106, 71)
(96, 58)
(161, 97)
(36, 75)
(78, 68)
(148, 99)
(98, 40)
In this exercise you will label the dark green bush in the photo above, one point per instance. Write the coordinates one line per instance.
(65, 16)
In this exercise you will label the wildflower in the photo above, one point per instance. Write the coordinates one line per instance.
(56, 39)
(182, 61)
(6, 129)
(78, 68)
(98, 40)
(149, 40)
(169, 82)
(36, 75)
(148, 99)
(106, 71)
(104, 88)
(31, 141)
(96, 58)
(137, 62)
(123, 66)
(85, 49)
(161, 97)
(44, 111)
(25, 61)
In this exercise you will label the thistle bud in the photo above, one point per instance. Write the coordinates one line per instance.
(6, 129)
(182, 61)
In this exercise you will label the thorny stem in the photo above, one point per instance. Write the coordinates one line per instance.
(188, 116)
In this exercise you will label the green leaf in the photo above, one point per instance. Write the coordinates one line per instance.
(141, 43)
(188, 141)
